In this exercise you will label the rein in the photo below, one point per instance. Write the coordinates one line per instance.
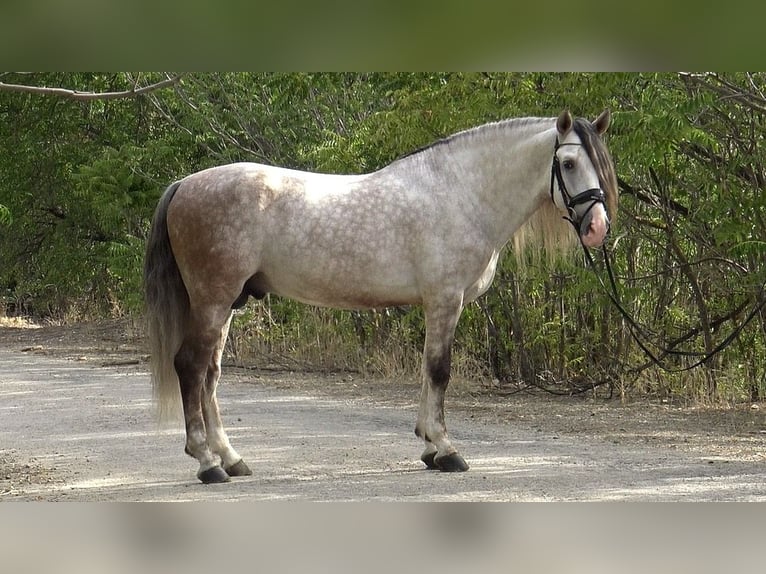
(636, 329)
(596, 195)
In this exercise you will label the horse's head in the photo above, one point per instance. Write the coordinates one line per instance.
(584, 174)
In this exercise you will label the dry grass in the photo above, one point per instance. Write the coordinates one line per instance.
(18, 323)
(318, 341)
(322, 341)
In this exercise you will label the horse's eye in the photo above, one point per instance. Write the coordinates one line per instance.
(569, 164)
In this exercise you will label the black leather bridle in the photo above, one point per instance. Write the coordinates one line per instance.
(594, 195)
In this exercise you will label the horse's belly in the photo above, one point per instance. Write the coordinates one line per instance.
(327, 287)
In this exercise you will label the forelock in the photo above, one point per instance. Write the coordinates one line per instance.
(602, 162)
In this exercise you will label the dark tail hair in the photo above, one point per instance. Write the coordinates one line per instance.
(167, 309)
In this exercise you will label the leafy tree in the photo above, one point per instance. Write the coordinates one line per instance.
(80, 177)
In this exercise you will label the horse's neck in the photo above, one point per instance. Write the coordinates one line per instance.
(502, 169)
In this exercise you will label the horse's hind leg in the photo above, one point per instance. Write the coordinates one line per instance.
(217, 439)
(192, 363)
(441, 321)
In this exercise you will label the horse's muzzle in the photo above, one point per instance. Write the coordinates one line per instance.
(594, 226)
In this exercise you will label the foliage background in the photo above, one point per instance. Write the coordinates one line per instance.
(79, 180)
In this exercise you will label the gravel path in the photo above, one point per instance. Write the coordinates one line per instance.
(72, 430)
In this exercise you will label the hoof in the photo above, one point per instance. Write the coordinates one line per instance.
(451, 463)
(213, 475)
(428, 459)
(239, 469)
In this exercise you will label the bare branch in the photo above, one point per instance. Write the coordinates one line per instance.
(87, 96)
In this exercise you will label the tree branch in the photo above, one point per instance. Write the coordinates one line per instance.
(670, 346)
(728, 90)
(651, 198)
(88, 96)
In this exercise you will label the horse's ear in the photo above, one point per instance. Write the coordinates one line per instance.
(601, 123)
(564, 123)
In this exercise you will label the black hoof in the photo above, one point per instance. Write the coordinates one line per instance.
(239, 469)
(428, 460)
(213, 475)
(451, 463)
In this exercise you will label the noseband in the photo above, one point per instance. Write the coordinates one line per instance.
(594, 195)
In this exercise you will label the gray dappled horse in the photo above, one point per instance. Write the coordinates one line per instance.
(425, 230)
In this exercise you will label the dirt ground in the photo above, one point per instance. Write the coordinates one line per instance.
(715, 436)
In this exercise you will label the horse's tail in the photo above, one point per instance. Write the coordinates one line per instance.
(167, 309)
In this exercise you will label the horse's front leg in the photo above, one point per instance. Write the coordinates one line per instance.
(441, 321)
